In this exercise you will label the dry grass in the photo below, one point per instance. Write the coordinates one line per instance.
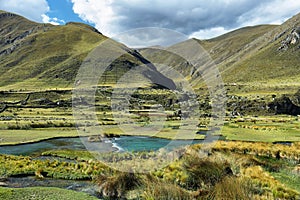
(157, 189)
(233, 188)
(116, 186)
(278, 151)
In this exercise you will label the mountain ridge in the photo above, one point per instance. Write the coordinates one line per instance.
(52, 54)
(44, 54)
(246, 56)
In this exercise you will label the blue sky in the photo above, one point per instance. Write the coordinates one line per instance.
(195, 18)
(63, 10)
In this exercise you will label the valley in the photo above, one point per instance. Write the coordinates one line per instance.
(254, 137)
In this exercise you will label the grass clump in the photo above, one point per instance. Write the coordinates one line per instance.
(158, 189)
(70, 154)
(233, 188)
(26, 166)
(204, 172)
(117, 185)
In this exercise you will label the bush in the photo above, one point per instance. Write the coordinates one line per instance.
(204, 172)
(116, 186)
(232, 188)
(155, 189)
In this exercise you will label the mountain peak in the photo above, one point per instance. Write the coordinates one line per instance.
(84, 26)
(4, 14)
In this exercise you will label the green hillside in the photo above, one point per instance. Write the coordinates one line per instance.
(220, 49)
(39, 56)
(36, 54)
(275, 65)
(252, 60)
(225, 46)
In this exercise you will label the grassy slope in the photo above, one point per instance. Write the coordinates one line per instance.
(222, 50)
(268, 62)
(247, 56)
(225, 46)
(265, 69)
(50, 56)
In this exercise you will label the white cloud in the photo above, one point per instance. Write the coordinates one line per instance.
(150, 36)
(195, 18)
(31, 9)
(210, 33)
(54, 21)
(98, 12)
(271, 12)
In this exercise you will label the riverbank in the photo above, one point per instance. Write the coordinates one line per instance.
(279, 128)
(243, 159)
(114, 144)
(19, 137)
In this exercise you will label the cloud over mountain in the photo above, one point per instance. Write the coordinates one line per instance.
(31, 9)
(199, 18)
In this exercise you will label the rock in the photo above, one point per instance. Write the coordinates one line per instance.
(279, 35)
(3, 179)
(2, 15)
(91, 191)
(284, 105)
(95, 138)
(3, 184)
(291, 39)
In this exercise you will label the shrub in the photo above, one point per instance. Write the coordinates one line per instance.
(233, 188)
(117, 185)
(155, 189)
(204, 171)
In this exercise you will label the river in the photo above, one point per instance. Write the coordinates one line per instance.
(123, 143)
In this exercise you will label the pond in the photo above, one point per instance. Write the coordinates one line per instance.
(123, 143)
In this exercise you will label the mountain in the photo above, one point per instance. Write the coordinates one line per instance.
(271, 61)
(36, 55)
(259, 59)
(220, 49)
(253, 60)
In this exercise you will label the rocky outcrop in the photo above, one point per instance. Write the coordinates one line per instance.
(284, 105)
(14, 31)
(6, 14)
(291, 39)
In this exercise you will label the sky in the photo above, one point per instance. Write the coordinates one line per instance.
(201, 19)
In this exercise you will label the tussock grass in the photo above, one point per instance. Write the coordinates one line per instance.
(233, 188)
(23, 165)
(219, 173)
(117, 185)
(157, 189)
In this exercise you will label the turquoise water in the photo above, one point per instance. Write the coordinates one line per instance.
(135, 143)
(123, 143)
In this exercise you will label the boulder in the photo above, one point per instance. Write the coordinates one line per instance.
(3, 184)
(291, 39)
(284, 105)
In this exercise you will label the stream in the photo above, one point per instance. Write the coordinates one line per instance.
(122, 143)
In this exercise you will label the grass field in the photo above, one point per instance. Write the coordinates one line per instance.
(41, 118)
(242, 169)
(257, 156)
(260, 169)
